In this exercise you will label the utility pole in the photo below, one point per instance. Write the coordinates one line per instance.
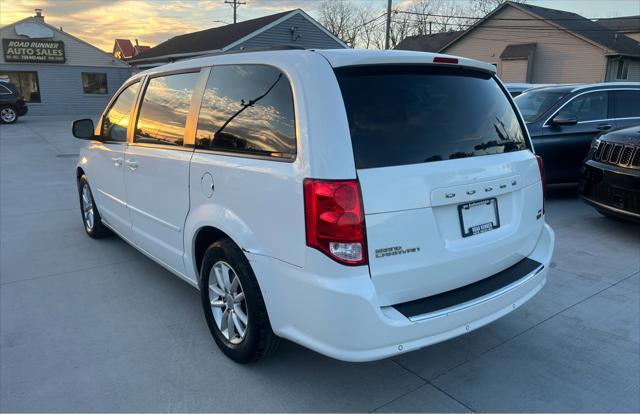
(388, 34)
(235, 4)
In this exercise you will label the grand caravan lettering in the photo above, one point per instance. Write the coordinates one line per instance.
(17, 50)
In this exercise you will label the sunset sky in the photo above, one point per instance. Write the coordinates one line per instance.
(153, 21)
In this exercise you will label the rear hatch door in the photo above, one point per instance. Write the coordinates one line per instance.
(451, 189)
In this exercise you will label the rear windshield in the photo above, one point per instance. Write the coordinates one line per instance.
(406, 114)
(534, 104)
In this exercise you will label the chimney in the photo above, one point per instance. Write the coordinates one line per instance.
(39, 17)
(136, 42)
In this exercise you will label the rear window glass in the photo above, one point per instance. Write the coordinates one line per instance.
(406, 114)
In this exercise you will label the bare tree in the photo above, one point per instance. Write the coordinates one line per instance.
(367, 23)
(339, 17)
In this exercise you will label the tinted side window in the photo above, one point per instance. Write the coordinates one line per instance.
(626, 104)
(248, 109)
(164, 109)
(589, 107)
(116, 121)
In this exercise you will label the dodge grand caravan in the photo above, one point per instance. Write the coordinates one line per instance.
(360, 203)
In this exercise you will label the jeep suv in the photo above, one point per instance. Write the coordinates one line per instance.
(360, 203)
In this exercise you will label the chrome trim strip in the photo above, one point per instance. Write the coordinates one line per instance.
(611, 208)
(154, 218)
(478, 301)
(116, 199)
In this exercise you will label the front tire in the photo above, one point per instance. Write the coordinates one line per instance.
(8, 115)
(90, 215)
(233, 305)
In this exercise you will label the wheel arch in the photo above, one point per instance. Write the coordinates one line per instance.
(203, 238)
(207, 223)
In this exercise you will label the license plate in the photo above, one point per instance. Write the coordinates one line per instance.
(478, 217)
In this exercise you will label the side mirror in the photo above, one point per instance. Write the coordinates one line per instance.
(564, 118)
(83, 129)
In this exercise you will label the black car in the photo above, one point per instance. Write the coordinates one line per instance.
(12, 104)
(610, 176)
(563, 120)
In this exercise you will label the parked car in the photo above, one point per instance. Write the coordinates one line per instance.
(516, 89)
(303, 205)
(610, 179)
(564, 120)
(12, 104)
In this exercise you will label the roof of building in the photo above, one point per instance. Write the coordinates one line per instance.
(427, 43)
(519, 51)
(125, 46)
(40, 21)
(210, 39)
(625, 24)
(578, 25)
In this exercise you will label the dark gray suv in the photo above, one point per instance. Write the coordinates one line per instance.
(12, 104)
(563, 120)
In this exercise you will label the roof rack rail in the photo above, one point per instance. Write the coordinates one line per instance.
(252, 49)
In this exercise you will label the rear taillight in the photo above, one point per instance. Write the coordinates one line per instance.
(20, 99)
(335, 219)
(543, 180)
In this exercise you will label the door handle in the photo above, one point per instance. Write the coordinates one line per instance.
(603, 127)
(132, 164)
(117, 161)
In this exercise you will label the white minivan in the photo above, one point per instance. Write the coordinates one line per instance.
(360, 203)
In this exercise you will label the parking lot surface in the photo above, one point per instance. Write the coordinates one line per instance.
(93, 325)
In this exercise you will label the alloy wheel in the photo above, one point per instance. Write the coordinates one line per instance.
(87, 207)
(8, 115)
(228, 302)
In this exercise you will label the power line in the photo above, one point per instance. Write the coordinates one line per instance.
(492, 18)
(510, 27)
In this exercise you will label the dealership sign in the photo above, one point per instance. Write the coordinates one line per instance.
(33, 51)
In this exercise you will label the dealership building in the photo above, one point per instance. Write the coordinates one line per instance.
(57, 73)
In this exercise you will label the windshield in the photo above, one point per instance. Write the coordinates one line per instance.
(411, 114)
(534, 104)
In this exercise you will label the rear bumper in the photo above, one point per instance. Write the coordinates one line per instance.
(611, 188)
(340, 316)
(22, 111)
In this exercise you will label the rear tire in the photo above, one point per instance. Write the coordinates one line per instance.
(8, 115)
(233, 304)
(90, 215)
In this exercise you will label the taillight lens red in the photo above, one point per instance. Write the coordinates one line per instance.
(335, 219)
(439, 59)
(20, 98)
(543, 179)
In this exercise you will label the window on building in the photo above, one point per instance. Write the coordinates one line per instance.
(622, 71)
(116, 121)
(26, 82)
(94, 83)
(625, 104)
(592, 106)
(248, 109)
(164, 109)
